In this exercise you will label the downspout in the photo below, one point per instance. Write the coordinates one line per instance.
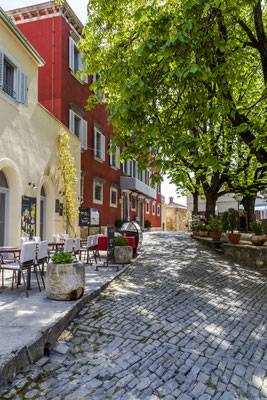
(53, 61)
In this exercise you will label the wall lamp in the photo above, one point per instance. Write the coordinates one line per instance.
(32, 185)
(61, 193)
(80, 199)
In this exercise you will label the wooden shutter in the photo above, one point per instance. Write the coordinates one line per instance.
(23, 91)
(85, 76)
(103, 148)
(84, 134)
(71, 121)
(111, 156)
(1, 70)
(71, 54)
(19, 82)
(95, 142)
(117, 156)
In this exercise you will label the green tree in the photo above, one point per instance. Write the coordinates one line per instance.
(66, 166)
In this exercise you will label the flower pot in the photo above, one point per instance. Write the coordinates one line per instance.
(234, 238)
(258, 240)
(123, 254)
(195, 233)
(203, 233)
(216, 235)
(65, 281)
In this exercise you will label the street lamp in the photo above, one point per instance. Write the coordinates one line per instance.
(239, 198)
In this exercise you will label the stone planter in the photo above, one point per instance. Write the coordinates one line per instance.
(65, 281)
(123, 254)
(216, 235)
(234, 238)
(258, 240)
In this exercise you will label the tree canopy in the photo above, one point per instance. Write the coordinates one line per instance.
(185, 84)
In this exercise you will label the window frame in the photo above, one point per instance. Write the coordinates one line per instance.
(72, 47)
(133, 198)
(147, 207)
(96, 182)
(113, 190)
(158, 210)
(153, 208)
(83, 129)
(102, 150)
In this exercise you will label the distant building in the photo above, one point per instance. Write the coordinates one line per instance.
(174, 216)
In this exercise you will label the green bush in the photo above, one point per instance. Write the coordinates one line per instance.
(119, 223)
(120, 241)
(63, 258)
(215, 224)
(257, 227)
(148, 223)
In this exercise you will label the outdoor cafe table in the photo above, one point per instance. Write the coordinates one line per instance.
(56, 245)
(103, 240)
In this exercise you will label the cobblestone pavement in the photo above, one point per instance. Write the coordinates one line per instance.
(182, 323)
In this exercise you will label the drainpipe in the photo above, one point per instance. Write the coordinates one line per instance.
(53, 61)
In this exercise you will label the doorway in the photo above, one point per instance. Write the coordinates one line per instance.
(4, 203)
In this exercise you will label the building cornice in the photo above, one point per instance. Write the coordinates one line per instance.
(7, 21)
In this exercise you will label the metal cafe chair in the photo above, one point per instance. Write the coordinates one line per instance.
(77, 245)
(96, 252)
(56, 238)
(68, 246)
(26, 261)
(23, 239)
(89, 247)
(64, 236)
(42, 258)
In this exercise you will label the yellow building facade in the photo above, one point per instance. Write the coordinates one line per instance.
(30, 183)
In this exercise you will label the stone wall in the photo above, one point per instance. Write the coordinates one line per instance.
(245, 253)
(175, 219)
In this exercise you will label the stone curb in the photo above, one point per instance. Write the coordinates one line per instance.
(47, 336)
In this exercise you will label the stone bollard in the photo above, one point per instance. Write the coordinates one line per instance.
(65, 281)
(123, 254)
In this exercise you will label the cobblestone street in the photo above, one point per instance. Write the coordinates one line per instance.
(181, 323)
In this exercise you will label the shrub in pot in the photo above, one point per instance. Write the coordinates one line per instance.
(230, 221)
(215, 225)
(65, 277)
(148, 224)
(258, 239)
(123, 253)
(203, 229)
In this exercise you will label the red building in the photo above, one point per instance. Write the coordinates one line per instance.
(119, 191)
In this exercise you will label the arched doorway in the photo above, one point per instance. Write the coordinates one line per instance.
(43, 214)
(4, 204)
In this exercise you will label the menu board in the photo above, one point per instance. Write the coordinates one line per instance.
(95, 217)
(84, 216)
(28, 216)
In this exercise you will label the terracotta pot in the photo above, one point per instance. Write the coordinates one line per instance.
(234, 238)
(216, 235)
(203, 233)
(258, 240)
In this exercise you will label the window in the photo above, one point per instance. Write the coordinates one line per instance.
(96, 78)
(147, 207)
(133, 203)
(75, 59)
(113, 158)
(153, 208)
(98, 192)
(78, 126)
(159, 188)
(13, 81)
(158, 210)
(99, 145)
(113, 196)
(126, 167)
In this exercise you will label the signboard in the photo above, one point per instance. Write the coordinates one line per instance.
(84, 216)
(110, 243)
(28, 216)
(95, 217)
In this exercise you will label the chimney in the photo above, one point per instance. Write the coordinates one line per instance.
(170, 200)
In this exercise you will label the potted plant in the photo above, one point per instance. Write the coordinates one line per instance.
(148, 224)
(203, 230)
(215, 225)
(65, 277)
(123, 253)
(230, 222)
(258, 239)
(195, 229)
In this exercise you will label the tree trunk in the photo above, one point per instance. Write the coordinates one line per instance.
(248, 203)
(195, 202)
(210, 204)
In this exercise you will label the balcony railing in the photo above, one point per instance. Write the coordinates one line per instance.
(129, 183)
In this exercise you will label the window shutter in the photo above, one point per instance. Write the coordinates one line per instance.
(71, 54)
(103, 150)
(1, 69)
(95, 142)
(124, 166)
(84, 134)
(117, 155)
(85, 76)
(71, 121)
(19, 86)
(111, 156)
(23, 91)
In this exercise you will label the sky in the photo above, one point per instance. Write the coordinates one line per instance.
(80, 9)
